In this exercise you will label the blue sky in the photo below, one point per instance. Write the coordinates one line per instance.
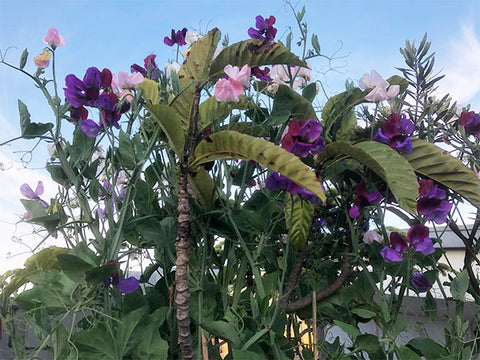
(116, 34)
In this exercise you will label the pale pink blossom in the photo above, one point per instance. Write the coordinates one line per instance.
(171, 67)
(381, 89)
(371, 236)
(370, 81)
(228, 90)
(280, 74)
(240, 75)
(126, 81)
(42, 60)
(53, 38)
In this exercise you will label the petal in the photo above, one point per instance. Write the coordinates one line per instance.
(27, 191)
(398, 242)
(354, 212)
(128, 285)
(90, 128)
(420, 282)
(390, 255)
(39, 189)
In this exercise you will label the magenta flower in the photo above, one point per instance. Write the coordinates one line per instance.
(395, 133)
(420, 282)
(150, 69)
(261, 74)
(363, 198)
(431, 204)
(278, 182)
(417, 235)
(176, 38)
(83, 92)
(53, 38)
(417, 238)
(125, 286)
(303, 137)
(264, 30)
(471, 122)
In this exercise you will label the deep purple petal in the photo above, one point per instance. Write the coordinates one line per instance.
(354, 212)
(425, 246)
(137, 68)
(398, 242)
(310, 130)
(90, 128)
(417, 233)
(420, 282)
(390, 255)
(277, 182)
(128, 285)
(254, 34)
(374, 197)
(92, 78)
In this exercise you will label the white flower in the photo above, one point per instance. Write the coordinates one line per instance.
(192, 36)
(381, 89)
(370, 81)
(173, 66)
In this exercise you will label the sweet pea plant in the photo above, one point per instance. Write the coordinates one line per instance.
(257, 216)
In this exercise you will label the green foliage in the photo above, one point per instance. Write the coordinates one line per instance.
(431, 161)
(234, 145)
(30, 129)
(298, 217)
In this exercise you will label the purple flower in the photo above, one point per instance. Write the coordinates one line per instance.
(277, 182)
(83, 92)
(418, 237)
(125, 286)
(176, 38)
(264, 30)
(471, 122)
(261, 74)
(90, 128)
(150, 69)
(303, 137)
(420, 282)
(27, 191)
(431, 204)
(395, 133)
(363, 198)
(398, 245)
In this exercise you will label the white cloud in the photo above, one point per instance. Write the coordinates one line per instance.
(462, 71)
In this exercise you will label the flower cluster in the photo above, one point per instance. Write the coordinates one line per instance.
(231, 87)
(54, 39)
(86, 92)
(417, 238)
(431, 204)
(471, 122)
(381, 89)
(302, 138)
(177, 37)
(125, 286)
(395, 133)
(363, 198)
(264, 28)
(150, 69)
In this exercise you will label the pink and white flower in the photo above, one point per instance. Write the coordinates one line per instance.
(53, 38)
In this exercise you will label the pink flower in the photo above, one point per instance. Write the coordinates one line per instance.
(241, 75)
(53, 38)
(125, 81)
(381, 89)
(228, 90)
(371, 235)
(42, 60)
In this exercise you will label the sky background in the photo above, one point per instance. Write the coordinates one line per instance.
(364, 35)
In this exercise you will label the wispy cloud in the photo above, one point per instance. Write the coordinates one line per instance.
(462, 69)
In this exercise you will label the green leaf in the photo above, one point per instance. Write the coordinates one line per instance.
(316, 44)
(253, 52)
(234, 145)
(144, 198)
(310, 91)
(98, 274)
(150, 90)
(74, 267)
(171, 123)
(405, 353)
(224, 330)
(368, 342)
(428, 348)
(337, 106)
(202, 185)
(194, 70)
(34, 208)
(298, 216)
(459, 286)
(433, 162)
(349, 329)
(212, 111)
(58, 175)
(398, 80)
(30, 129)
(386, 162)
(299, 107)
(363, 313)
(239, 354)
(23, 59)
(149, 343)
(82, 147)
